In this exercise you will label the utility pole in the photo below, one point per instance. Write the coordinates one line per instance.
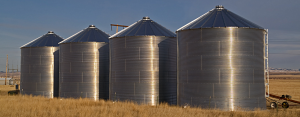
(12, 73)
(111, 25)
(6, 68)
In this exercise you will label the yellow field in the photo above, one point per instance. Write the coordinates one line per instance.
(285, 76)
(42, 107)
(285, 87)
(5, 88)
(39, 106)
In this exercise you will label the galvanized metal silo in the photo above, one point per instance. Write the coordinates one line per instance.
(39, 66)
(221, 62)
(143, 64)
(84, 65)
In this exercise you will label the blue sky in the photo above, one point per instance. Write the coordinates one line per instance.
(23, 21)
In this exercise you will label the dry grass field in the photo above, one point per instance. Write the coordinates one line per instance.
(285, 87)
(5, 88)
(285, 76)
(29, 106)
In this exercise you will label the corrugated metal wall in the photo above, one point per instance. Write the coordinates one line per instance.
(221, 68)
(84, 70)
(39, 71)
(143, 69)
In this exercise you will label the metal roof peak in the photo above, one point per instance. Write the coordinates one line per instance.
(50, 32)
(219, 7)
(145, 27)
(146, 18)
(47, 40)
(92, 26)
(219, 17)
(90, 34)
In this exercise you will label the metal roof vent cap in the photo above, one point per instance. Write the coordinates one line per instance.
(92, 26)
(219, 7)
(50, 32)
(146, 18)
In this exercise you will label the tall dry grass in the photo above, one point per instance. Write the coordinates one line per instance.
(29, 106)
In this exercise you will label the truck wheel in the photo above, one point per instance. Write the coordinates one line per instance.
(273, 105)
(285, 105)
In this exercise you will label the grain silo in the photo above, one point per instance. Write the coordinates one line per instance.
(39, 66)
(84, 65)
(143, 64)
(221, 62)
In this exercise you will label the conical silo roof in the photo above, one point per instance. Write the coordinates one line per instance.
(49, 39)
(219, 17)
(90, 34)
(145, 27)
